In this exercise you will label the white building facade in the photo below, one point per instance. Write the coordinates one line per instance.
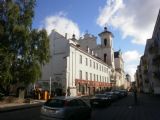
(80, 67)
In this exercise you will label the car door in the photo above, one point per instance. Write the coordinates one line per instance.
(73, 110)
(83, 109)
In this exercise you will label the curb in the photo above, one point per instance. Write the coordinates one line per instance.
(20, 107)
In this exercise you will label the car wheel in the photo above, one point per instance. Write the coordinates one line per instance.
(71, 118)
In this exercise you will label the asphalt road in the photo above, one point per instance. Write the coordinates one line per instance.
(23, 114)
(148, 108)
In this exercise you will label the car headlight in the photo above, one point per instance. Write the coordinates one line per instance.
(58, 111)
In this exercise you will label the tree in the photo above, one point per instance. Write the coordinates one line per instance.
(23, 50)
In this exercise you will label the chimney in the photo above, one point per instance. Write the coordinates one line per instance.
(88, 50)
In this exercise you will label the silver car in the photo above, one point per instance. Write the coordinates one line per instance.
(65, 108)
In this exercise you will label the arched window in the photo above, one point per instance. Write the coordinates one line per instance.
(105, 42)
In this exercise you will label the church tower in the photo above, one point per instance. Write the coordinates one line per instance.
(107, 52)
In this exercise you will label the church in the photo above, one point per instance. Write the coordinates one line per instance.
(82, 67)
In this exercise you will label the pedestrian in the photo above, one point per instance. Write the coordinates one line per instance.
(135, 96)
(68, 92)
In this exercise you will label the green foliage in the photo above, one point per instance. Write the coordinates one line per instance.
(23, 50)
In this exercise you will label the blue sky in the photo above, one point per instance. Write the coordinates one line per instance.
(130, 23)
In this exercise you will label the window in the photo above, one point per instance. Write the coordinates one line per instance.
(86, 75)
(78, 87)
(97, 66)
(94, 65)
(100, 67)
(158, 37)
(55, 103)
(80, 59)
(100, 78)
(94, 77)
(73, 103)
(90, 76)
(105, 42)
(81, 103)
(86, 61)
(80, 74)
(90, 63)
(97, 77)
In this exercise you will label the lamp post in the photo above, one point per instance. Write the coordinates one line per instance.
(50, 85)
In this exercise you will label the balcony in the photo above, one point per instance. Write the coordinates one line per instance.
(156, 60)
(156, 75)
(153, 49)
(146, 81)
(145, 72)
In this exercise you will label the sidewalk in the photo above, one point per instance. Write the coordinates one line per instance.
(17, 106)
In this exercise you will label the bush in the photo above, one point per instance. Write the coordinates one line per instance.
(1, 96)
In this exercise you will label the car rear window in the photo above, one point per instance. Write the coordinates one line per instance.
(100, 96)
(55, 103)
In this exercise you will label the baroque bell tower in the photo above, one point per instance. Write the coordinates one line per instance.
(107, 52)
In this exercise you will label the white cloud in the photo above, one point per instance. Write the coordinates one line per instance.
(62, 25)
(135, 18)
(131, 60)
(131, 56)
(107, 12)
(131, 69)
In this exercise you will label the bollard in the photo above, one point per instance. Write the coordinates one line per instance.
(45, 95)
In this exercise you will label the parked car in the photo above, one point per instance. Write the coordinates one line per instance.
(65, 108)
(113, 96)
(120, 93)
(124, 92)
(100, 100)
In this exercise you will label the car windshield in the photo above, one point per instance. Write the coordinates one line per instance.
(55, 103)
(108, 93)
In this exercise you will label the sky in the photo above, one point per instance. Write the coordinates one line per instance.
(131, 22)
